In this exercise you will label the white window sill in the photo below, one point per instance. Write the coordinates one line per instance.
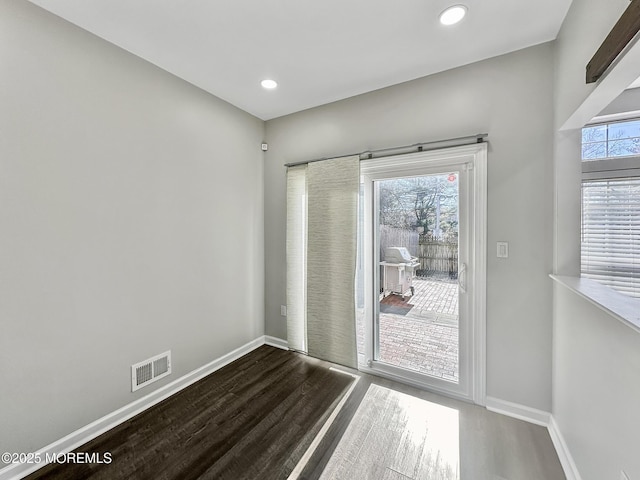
(623, 308)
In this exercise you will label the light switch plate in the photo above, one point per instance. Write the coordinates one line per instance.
(283, 310)
(503, 249)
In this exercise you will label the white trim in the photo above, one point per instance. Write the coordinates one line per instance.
(414, 163)
(566, 460)
(295, 473)
(479, 306)
(621, 307)
(614, 117)
(471, 161)
(89, 432)
(542, 418)
(276, 342)
(516, 410)
(386, 371)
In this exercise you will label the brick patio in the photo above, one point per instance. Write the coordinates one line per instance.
(420, 333)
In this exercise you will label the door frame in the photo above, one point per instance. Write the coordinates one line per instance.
(472, 159)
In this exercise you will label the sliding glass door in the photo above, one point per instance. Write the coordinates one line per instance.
(419, 321)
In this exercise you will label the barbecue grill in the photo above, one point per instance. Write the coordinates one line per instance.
(398, 271)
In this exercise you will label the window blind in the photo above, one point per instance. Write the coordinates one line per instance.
(296, 258)
(611, 233)
(333, 187)
(322, 212)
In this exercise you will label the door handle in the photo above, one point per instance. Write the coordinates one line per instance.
(462, 277)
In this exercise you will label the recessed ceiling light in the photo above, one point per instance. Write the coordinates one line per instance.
(453, 15)
(269, 84)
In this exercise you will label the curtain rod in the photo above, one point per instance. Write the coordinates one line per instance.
(416, 147)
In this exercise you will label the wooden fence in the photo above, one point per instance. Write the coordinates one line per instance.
(438, 256)
(434, 254)
(398, 237)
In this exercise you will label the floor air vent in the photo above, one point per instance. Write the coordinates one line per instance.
(150, 370)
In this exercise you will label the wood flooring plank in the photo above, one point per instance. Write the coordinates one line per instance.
(226, 432)
(398, 439)
(410, 448)
(198, 418)
(269, 440)
(244, 421)
(280, 399)
(390, 474)
(301, 432)
(161, 416)
(327, 446)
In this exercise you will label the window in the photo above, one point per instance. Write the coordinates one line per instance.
(611, 140)
(611, 205)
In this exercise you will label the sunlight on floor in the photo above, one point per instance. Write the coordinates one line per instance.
(394, 435)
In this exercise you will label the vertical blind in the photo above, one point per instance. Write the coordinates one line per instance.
(611, 233)
(321, 258)
(296, 257)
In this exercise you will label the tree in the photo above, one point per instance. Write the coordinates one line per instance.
(430, 202)
(614, 140)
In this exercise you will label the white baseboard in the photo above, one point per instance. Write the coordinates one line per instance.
(521, 412)
(276, 342)
(89, 432)
(545, 419)
(566, 460)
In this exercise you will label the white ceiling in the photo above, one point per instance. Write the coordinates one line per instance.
(319, 51)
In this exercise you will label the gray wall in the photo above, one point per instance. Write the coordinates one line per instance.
(585, 27)
(509, 97)
(132, 223)
(596, 389)
(596, 362)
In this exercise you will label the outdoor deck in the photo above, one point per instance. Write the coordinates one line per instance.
(420, 333)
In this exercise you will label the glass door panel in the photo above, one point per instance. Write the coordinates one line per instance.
(417, 302)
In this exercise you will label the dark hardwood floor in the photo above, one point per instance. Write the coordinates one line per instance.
(252, 419)
(255, 418)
